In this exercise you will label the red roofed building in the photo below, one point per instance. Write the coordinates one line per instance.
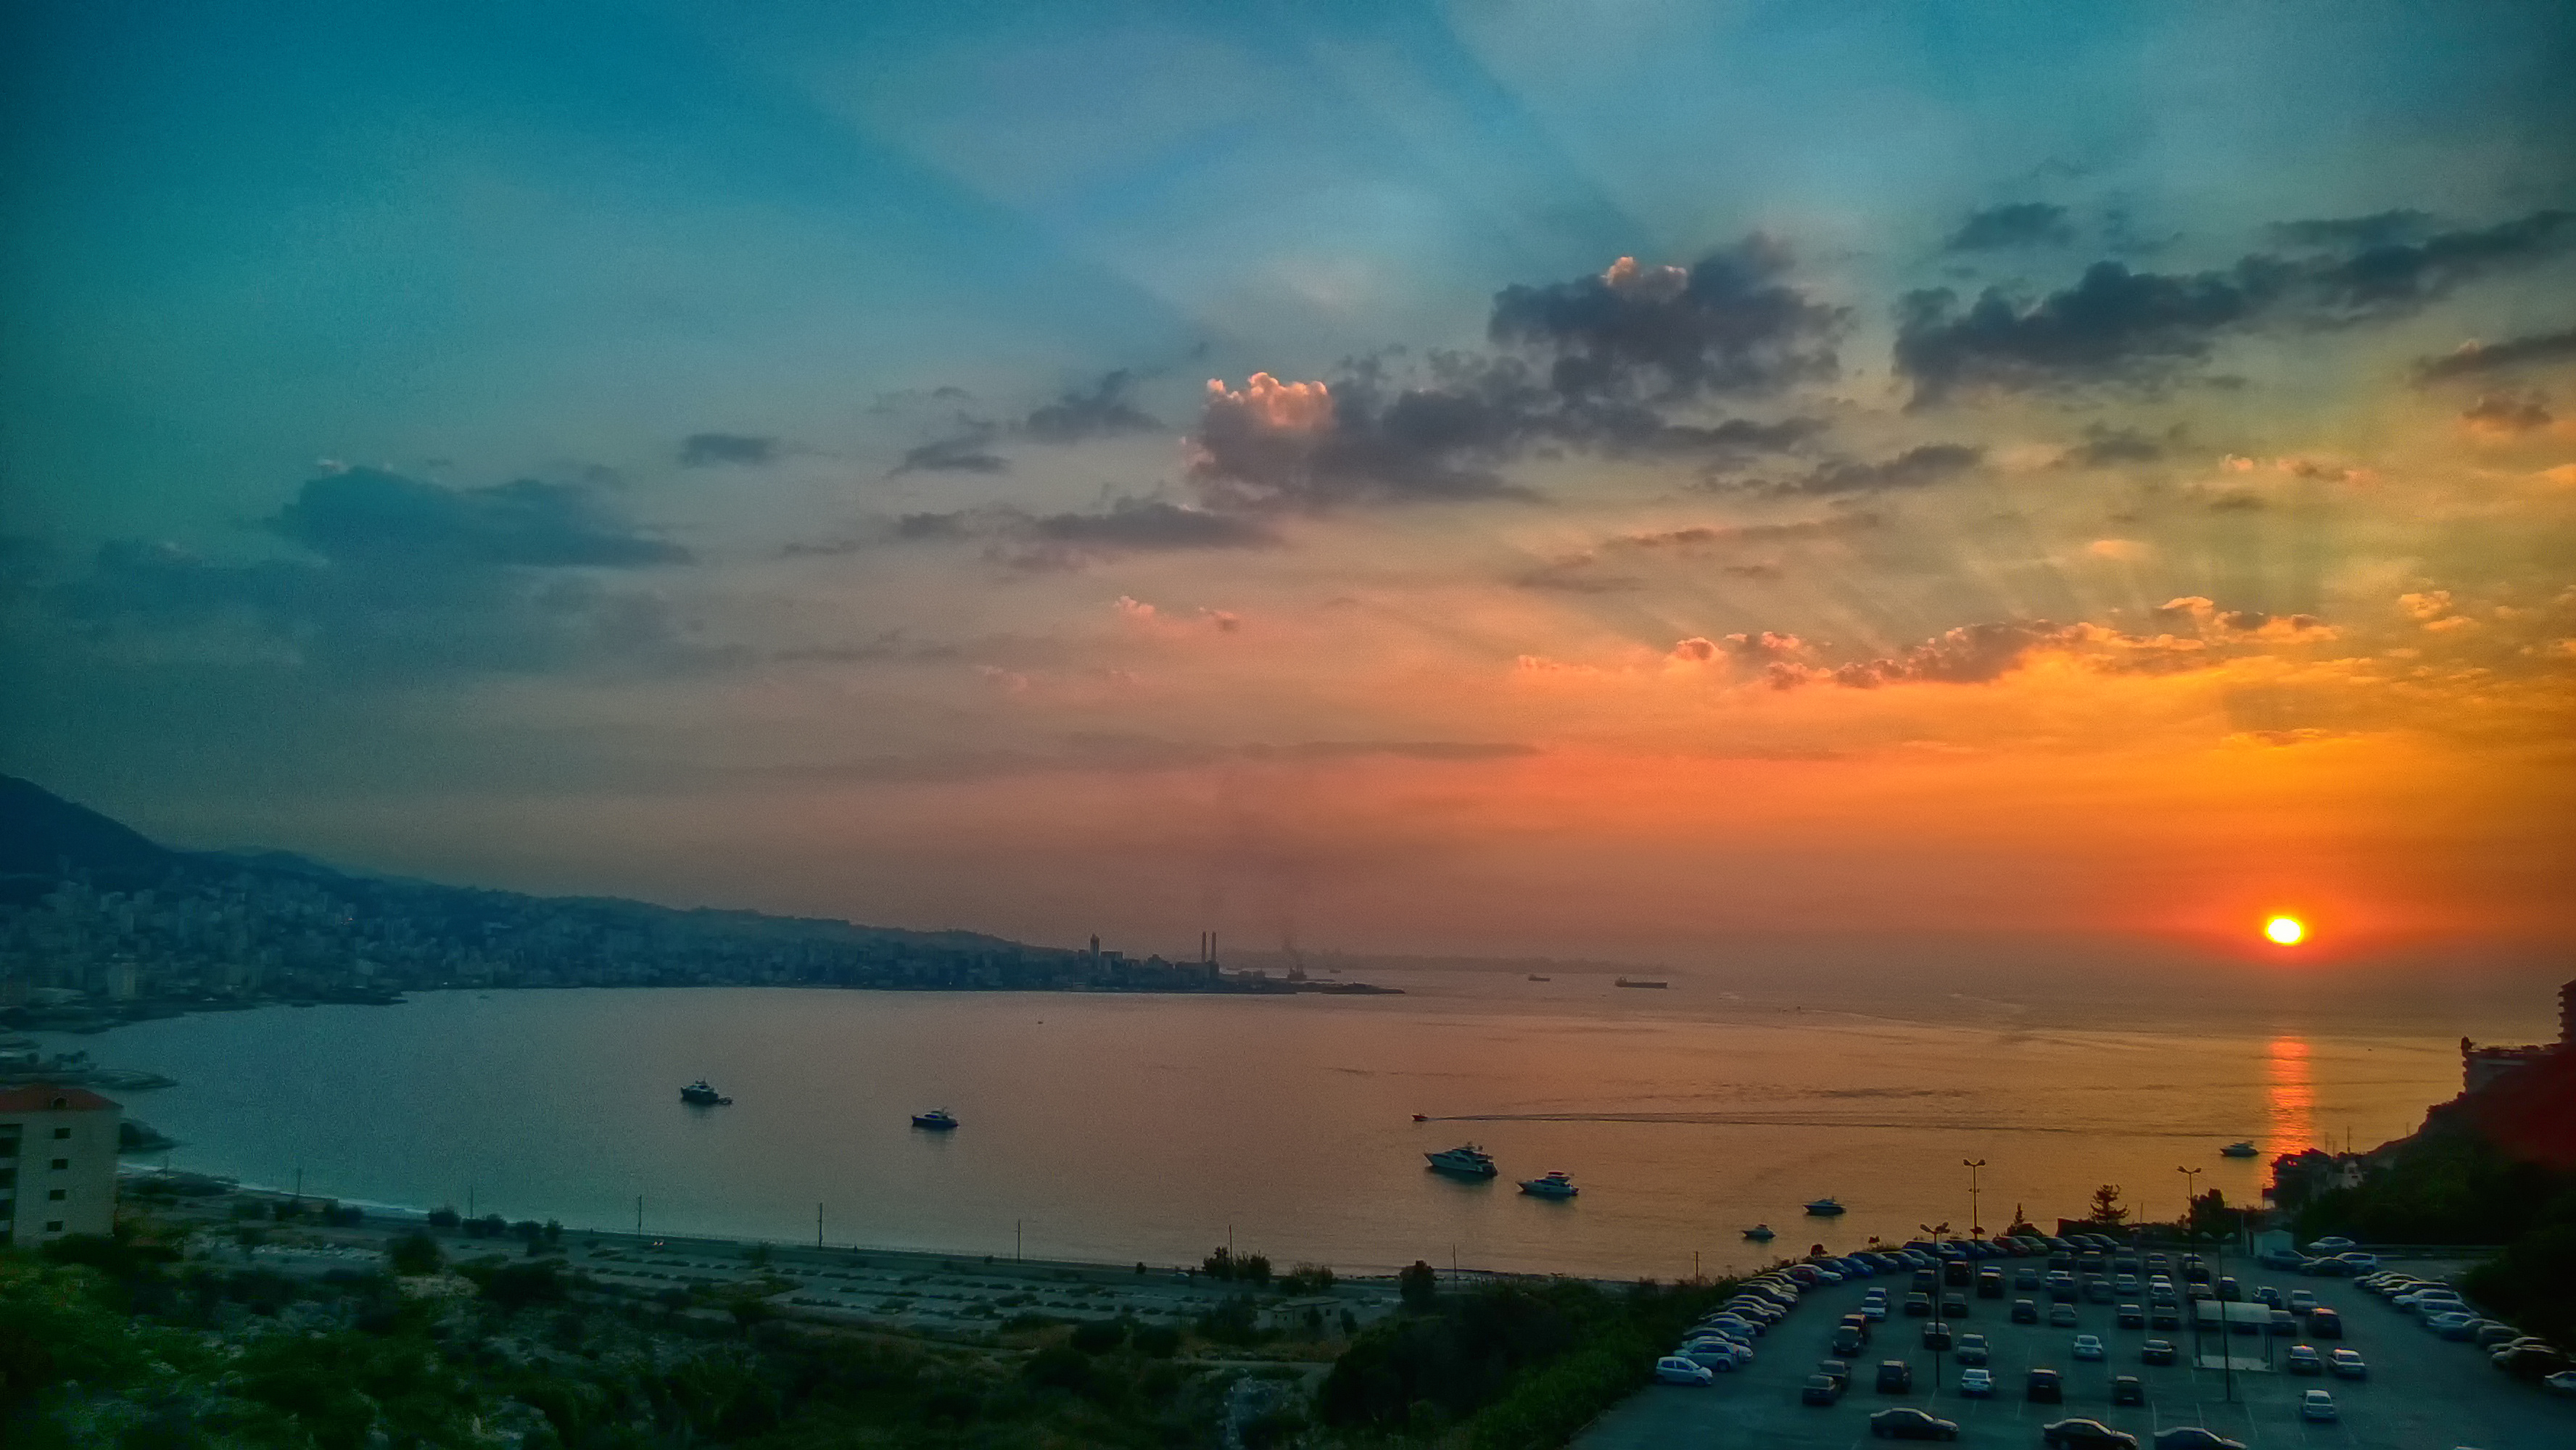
(57, 1163)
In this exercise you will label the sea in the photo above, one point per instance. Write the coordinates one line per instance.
(1153, 1129)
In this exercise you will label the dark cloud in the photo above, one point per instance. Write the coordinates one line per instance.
(2508, 413)
(1917, 467)
(969, 450)
(2105, 444)
(1726, 325)
(1702, 536)
(1152, 524)
(1101, 411)
(407, 579)
(2379, 229)
(2014, 224)
(1577, 574)
(2119, 326)
(704, 450)
(891, 647)
(2237, 501)
(1312, 446)
(2486, 357)
(383, 519)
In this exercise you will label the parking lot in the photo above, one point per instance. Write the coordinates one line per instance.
(2423, 1393)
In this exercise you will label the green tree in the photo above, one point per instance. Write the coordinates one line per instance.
(415, 1254)
(1419, 1286)
(2106, 1206)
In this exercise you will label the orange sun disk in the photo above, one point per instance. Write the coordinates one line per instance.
(2285, 929)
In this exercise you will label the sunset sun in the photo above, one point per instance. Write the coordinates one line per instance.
(2286, 930)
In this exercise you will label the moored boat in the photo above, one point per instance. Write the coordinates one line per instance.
(1825, 1208)
(937, 1120)
(1464, 1161)
(2239, 1149)
(1551, 1185)
(1760, 1233)
(699, 1095)
(1638, 982)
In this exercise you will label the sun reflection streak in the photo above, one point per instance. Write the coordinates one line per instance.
(2290, 1095)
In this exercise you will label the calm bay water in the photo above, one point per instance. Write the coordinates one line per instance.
(1136, 1127)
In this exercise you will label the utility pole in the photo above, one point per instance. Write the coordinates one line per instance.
(1976, 1227)
(818, 1225)
(2190, 1193)
(1016, 1225)
(1938, 1233)
(639, 1215)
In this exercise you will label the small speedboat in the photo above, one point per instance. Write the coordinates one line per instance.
(1760, 1233)
(2239, 1150)
(1421, 1117)
(1535, 977)
(1465, 1161)
(937, 1120)
(1825, 1208)
(699, 1095)
(1554, 1185)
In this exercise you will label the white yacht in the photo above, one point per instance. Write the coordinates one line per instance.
(1825, 1208)
(1554, 1185)
(1760, 1233)
(1465, 1161)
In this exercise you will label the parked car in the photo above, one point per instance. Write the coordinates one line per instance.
(2128, 1389)
(1895, 1377)
(2229, 1290)
(1874, 1310)
(2266, 1294)
(1990, 1284)
(1936, 1334)
(1918, 1306)
(1715, 1355)
(2086, 1435)
(2303, 1359)
(2324, 1323)
(1910, 1423)
(2132, 1316)
(1847, 1340)
(1976, 1383)
(2193, 1437)
(1672, 1369)
(2026, 1279)
(1972, 1349)
(2088, 1346)
(2332, 1244)
(2044, 1386)
(2025, 1311)
(2061, 1316)
(2317, 1406)
(2346, 1365)
(1837, 1370)
(1821, 1389)
(2159, 1351)
(2563, 1382)
(2530, 1361)
(2164, 1316)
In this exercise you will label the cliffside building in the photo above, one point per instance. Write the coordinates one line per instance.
(2483, 1066)
(57, 1163)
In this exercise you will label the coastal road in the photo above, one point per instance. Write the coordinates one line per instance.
(2423, 1393)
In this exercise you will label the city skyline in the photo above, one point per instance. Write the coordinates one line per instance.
(1469, 479)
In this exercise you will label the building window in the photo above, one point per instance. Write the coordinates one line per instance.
(62, 1163)
(59, 1194)
(60, 1133)
(53, 1225)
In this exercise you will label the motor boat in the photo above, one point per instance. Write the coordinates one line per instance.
(699, 1095)
(1553, 1185)
(1760, 1233)
(937, 1120)
(2239, 1150)
(1422, 1117)
(1825, 1208)
(1466, 1161)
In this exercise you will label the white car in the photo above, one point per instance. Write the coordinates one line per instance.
(2088, 1346)
(1672, 1369)
(1714, 1356)
(2333, 1245)
(1976, 1383)
(1727, 1342)
(2563, 1382)
(2317, 1405)
(1875, 1311)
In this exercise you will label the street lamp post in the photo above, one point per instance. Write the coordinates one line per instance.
(1976, 1224)
(2190, 1195)
(2190, 1180)
(1939, 1233)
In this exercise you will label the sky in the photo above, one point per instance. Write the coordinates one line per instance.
(1695, 483)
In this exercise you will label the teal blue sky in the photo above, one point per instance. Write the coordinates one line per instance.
(781, 432)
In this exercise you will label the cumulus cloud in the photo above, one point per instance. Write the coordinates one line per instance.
(1728, 324)
(2011, 225)
(705, 450)
(2119, 326)
(1312, 445)
(2474, 357)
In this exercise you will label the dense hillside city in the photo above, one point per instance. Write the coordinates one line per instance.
(97, 923)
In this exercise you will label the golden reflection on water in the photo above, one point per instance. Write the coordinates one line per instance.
(2290, 1092)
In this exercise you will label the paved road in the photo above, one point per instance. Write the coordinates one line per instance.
(2423, 1393)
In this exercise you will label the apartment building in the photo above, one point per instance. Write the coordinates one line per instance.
(57, 1163)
